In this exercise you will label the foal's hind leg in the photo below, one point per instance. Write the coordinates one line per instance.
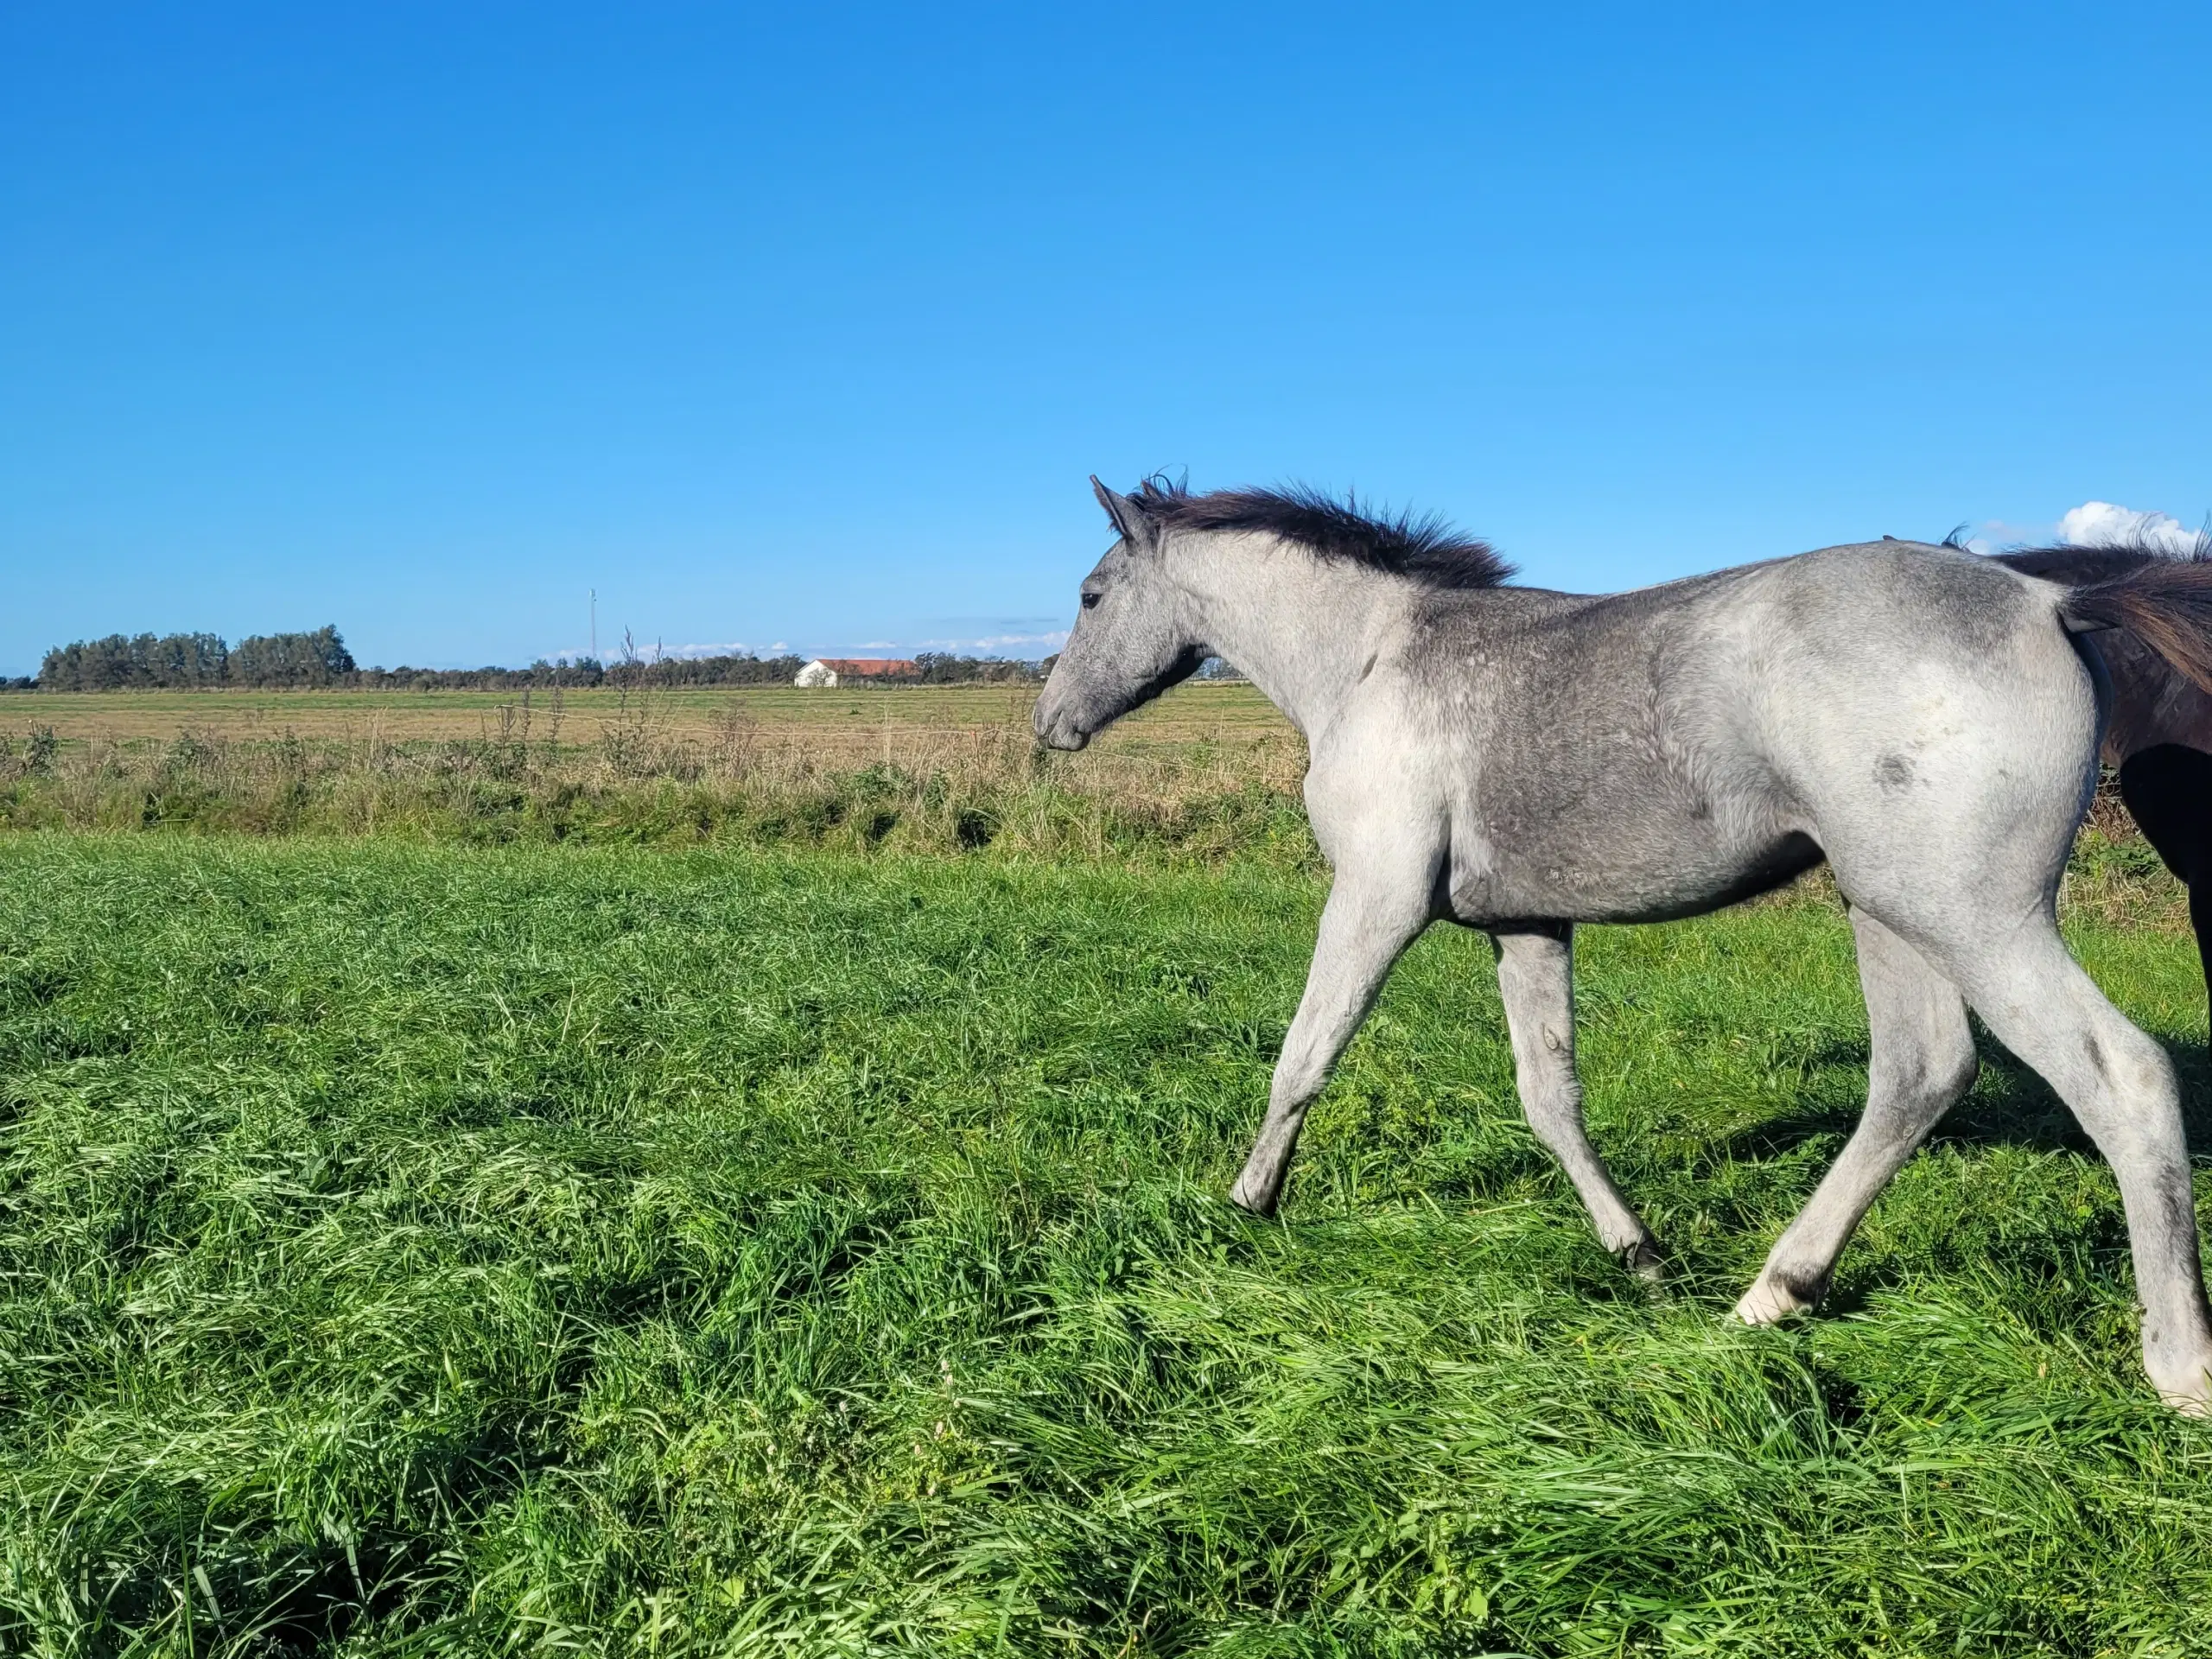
(1535, 975)
(1920, 1059)
(2120, 1085)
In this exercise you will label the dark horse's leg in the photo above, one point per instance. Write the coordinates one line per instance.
(2169, 789)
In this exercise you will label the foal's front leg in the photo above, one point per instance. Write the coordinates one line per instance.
(1535, 975)
(1365, 927)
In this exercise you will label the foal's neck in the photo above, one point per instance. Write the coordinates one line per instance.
(1304, 628)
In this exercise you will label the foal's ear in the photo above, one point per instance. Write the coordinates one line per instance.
(1128, 517)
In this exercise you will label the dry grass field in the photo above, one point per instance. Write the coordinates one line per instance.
(1208, 771)
(872, 724)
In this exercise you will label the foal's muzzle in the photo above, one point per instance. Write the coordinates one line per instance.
(1055, 728)
(1061, 734)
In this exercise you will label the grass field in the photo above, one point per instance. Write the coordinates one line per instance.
(421, 1248)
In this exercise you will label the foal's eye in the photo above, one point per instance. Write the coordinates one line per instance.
(1090, 600)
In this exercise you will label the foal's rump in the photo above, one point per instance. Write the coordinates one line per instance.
(1936, 722)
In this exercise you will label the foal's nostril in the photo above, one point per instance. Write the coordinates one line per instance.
(1054, 729)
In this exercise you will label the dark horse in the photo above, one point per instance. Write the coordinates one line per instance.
(2159, 733)
(1518, 761)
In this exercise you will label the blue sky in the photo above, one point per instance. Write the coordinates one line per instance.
(803, 326)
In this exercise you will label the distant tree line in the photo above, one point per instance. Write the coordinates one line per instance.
(706, 670)
(193, 661)
(937, 668)
(586, 671)
(187, 662)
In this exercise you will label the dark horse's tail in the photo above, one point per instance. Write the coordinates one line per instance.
(2164, 602)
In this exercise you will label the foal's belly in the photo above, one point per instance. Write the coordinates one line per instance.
(1626, 876)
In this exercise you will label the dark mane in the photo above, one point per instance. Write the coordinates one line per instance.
(2079, 563)
(1425, 549)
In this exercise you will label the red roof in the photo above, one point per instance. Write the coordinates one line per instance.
(865, 666)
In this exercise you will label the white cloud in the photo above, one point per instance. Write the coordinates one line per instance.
(717, 648)
(963, 645)
(649, 653)
(1054, 638)
(2101, 521)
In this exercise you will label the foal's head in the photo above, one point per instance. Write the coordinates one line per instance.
(1141, 628)
(1132, 639)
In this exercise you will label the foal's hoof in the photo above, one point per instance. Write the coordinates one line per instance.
(2189, 1391)
(1644, 1260)
(1768, 1302)
(1252, 1200)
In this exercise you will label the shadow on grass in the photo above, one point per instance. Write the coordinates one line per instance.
(2009, 1105)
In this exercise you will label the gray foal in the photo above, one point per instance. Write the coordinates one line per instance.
(1518, 761)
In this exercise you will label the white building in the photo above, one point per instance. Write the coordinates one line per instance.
(834, 670)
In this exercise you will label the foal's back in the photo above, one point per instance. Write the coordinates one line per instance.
(1663, 752)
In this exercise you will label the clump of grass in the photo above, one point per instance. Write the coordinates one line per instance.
(2116, 875)
(30, 757)
(427, 1248)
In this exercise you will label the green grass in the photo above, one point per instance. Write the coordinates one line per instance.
(437, 1249)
